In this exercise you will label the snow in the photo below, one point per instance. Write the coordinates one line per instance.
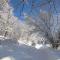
(10, 50)
(23, 52)
(7, 58)
(37, 46)
(2, 37)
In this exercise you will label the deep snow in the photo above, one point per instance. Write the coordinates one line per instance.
(10, 51)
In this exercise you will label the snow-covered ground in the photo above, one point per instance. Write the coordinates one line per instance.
(10, 50)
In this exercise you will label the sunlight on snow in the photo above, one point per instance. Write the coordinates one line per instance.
(37, 46)
(7, 58)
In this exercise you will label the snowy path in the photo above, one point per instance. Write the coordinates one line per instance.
(26, 53)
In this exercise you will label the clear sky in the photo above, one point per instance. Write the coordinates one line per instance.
(20, 8)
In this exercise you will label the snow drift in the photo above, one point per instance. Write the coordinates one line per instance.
(23, 52)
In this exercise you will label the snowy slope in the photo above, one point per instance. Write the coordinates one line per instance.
(23, 52)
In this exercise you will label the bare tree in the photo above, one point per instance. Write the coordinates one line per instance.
(44, 25)
(9, 25)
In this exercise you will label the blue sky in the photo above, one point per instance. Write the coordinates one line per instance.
(19, 8)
